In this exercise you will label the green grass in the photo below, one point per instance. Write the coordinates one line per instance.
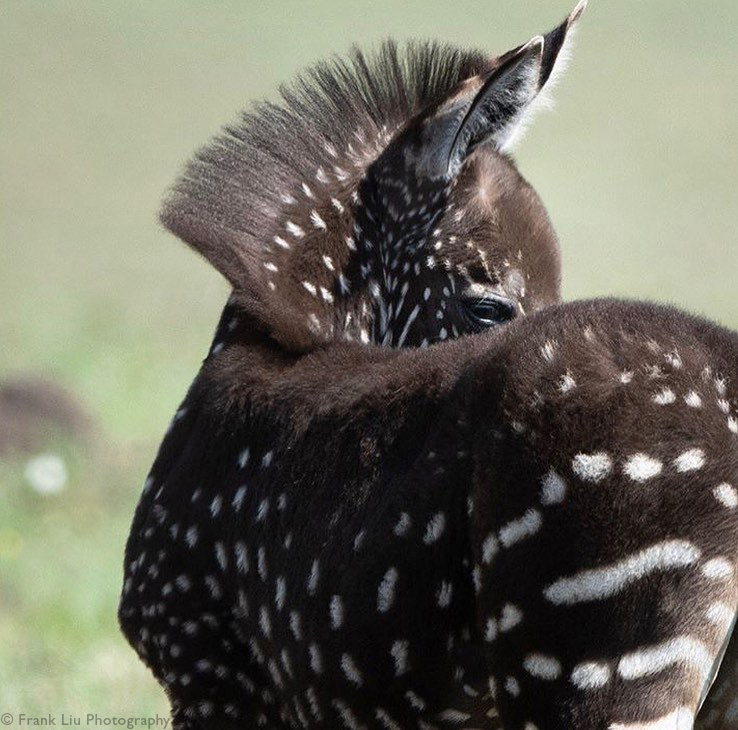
(104, 101)
(60, 560)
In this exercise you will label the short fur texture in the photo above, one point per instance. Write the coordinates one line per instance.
(534, 527)
(362, 528)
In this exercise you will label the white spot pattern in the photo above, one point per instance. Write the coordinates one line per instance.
(690, 460)
(592, 467)
(553, 489)
(386, 591)
(590, 675)
(524, 527)
(726, 495)
(542, 667)
(435, 528)
(336, 612)
(642, 467)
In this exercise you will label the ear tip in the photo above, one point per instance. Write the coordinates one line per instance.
(578, 11)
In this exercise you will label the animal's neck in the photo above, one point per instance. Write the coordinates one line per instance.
(344, 377)
(394, 221)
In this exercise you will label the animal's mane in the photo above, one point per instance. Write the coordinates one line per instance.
(330, 124)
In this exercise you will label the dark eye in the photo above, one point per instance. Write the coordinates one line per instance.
(490, 310)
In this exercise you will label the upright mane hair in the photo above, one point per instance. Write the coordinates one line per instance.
(289, 202)
(333, 121)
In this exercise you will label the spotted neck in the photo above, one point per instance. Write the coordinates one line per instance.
(394, 219)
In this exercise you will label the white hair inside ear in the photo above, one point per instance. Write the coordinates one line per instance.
(544, 100)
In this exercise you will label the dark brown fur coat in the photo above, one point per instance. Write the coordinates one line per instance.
(519, 522)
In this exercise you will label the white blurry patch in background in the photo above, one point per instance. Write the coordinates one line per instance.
(46, 474)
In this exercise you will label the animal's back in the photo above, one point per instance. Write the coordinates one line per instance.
(605, 523)
(311, 561)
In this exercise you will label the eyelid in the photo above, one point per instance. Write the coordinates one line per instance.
(477, 290)
(487, 296)
(493, 298)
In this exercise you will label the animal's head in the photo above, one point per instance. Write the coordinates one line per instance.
(377, 203)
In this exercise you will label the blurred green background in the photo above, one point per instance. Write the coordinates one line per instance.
(102, 102)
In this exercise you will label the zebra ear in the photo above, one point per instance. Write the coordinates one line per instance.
(497, 108)
(512, 91)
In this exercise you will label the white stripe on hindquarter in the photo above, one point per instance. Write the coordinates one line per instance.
(600, 583)
(686, 650)
(680, 719)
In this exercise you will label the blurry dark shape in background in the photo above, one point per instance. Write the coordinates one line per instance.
(35, 410)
